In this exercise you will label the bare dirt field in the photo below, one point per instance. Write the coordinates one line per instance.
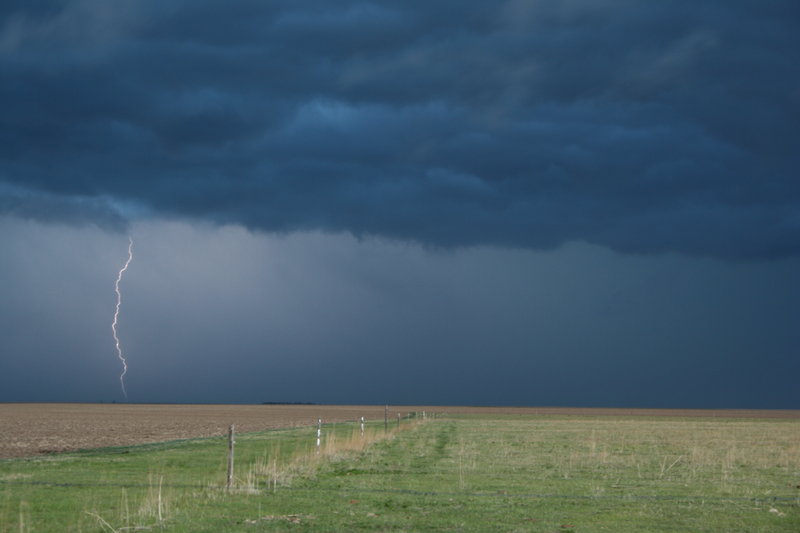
(28, 429)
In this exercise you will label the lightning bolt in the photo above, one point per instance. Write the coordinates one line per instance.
(116, 318)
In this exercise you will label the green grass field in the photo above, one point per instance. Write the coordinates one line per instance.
(464, 473)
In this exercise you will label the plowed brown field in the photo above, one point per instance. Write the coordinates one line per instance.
(33, 429)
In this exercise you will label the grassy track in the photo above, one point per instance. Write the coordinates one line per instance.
(512, 473)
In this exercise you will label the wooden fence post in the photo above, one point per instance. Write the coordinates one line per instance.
(362, 426)
(231, 442)
(386, 419)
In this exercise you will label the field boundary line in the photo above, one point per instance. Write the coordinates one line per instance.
(552, 495)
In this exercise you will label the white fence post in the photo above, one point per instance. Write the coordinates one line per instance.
(319, 433)
(362, 426)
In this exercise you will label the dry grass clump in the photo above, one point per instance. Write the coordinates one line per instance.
(151, 511)
(275, 469)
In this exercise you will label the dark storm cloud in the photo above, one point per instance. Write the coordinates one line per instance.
(636, 125)
(46, 207)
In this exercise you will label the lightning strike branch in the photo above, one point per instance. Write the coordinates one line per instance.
(116, 317)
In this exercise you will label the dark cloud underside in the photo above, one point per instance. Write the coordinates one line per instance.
(642, 126)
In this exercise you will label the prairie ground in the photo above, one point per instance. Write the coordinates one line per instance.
(505, 471)
(28, 429)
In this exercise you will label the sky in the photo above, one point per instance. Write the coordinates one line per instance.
(573, 203)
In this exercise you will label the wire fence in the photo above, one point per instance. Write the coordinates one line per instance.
(795, 500)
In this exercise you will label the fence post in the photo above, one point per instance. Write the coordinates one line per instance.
(319, 433)
(362, 426)
(386, 419)
(231, 442)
